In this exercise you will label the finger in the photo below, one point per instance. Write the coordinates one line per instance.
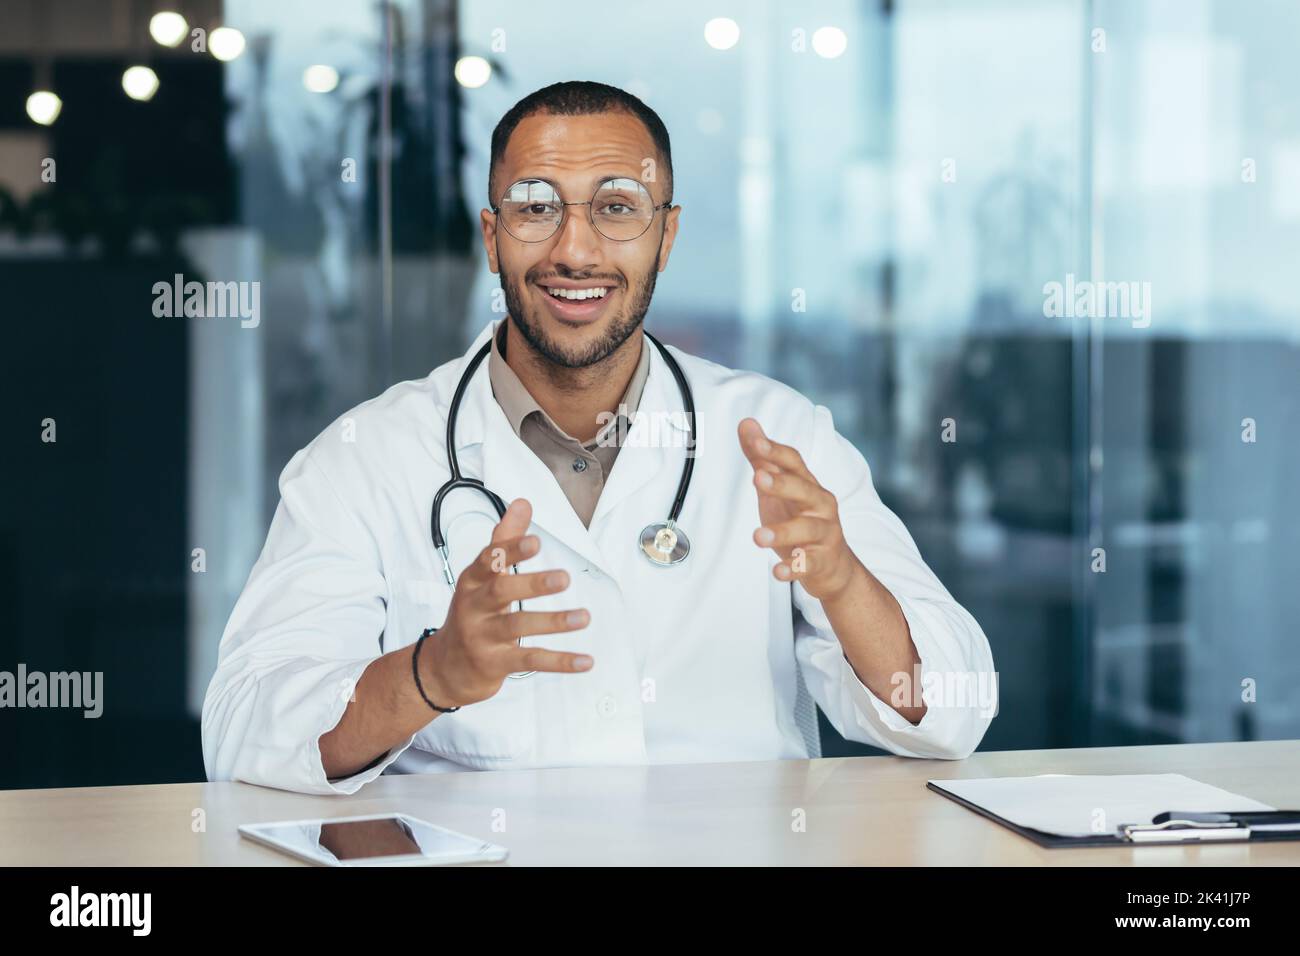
(802, 532)
(753, 441)
(809, 561)
(540, 659)
(795, 489)
(788, 458)
(515, 522)
(783, 572)
(497, 558)
(763, 452)
(766, 451)
(505, 589)
(511, 627)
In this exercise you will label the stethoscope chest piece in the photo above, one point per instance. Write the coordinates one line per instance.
(664, 543)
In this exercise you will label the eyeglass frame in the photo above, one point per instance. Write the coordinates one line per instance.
(654, 209)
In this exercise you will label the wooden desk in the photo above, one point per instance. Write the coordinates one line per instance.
(860, 810)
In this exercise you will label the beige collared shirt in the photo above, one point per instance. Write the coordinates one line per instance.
(580, 468)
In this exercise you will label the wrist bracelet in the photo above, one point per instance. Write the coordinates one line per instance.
(415, 672)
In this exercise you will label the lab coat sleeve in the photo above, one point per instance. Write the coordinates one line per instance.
(306, 626)
(958, 683)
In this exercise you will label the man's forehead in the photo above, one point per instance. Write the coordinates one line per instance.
(548, 146)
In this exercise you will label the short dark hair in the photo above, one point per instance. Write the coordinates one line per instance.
(580, 98)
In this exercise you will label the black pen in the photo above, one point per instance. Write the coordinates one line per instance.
(1246, 818)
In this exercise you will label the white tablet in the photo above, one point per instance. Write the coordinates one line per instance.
(383, 839)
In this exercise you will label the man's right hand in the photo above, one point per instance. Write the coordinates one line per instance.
(469, 657)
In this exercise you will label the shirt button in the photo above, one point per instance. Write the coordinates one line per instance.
(607, 706)
(579, 464)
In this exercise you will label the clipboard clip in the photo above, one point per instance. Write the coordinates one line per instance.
(1181, 826)
(1181, 829)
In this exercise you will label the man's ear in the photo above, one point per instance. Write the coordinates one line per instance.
(487, 222)
(669, 236)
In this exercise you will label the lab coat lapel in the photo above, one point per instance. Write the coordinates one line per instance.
(657, 437)
(509, 467)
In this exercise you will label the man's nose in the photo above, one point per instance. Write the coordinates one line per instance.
(578, 244)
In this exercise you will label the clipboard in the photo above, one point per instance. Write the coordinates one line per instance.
(1170, 828)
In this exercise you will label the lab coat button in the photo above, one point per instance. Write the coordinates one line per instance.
(608, 706)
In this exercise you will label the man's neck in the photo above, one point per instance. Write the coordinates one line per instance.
(574, 397)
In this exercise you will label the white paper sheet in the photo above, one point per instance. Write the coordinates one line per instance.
(1091, 804)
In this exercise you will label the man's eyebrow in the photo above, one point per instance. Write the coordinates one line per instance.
(602, 177)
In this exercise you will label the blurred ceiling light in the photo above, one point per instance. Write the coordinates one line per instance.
(43, 107)
(829, 42)
(140, 83)
(168, 28)
(472, 71)
(320, 78)
(722, 33)
(226, 43)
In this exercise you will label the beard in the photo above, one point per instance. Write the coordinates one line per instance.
(618, 329)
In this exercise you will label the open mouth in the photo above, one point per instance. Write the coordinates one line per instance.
(577, 302)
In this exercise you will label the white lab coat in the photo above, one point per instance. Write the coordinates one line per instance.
(693, 663)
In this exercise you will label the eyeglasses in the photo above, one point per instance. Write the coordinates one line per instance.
(620, 209)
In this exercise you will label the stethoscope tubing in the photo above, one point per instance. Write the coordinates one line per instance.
(457, 480)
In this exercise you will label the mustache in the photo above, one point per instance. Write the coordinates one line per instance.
(612, 280)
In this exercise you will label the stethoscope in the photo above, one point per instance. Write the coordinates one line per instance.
(663, 542)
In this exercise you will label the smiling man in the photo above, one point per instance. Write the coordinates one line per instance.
(552, 635)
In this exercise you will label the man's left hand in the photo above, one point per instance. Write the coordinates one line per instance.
(801, 520)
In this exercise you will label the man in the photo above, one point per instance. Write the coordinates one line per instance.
(799, 580)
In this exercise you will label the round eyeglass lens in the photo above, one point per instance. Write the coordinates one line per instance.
(622, 209)
(531, 210)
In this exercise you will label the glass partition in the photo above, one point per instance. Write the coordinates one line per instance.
(1032, 255)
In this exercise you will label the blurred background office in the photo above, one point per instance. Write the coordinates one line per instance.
(875, 197)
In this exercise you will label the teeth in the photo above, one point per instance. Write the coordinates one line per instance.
(578, 294)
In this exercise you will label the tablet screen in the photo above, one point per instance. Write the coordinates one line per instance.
(369, 838)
